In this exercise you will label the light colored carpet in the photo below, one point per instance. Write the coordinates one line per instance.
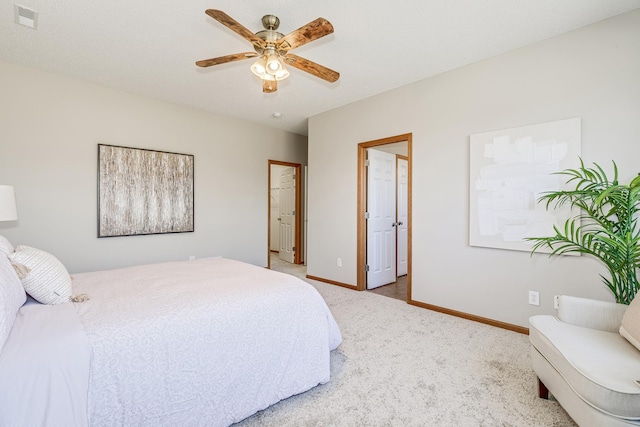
(400, 365)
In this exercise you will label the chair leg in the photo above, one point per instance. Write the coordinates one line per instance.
(543, 391)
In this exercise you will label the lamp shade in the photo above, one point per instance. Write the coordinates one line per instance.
(259, 68)
(8, 210)
(282, 73)
(273, 64)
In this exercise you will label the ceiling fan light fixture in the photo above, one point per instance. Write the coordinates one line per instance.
(273, 64)
(282, 73)
(259, 68)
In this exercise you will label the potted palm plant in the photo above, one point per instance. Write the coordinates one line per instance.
(606, 229)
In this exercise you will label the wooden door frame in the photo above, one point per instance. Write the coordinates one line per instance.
(361, 283)
(297, 259)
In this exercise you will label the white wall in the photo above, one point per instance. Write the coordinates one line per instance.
(50, 127)
(590, 73)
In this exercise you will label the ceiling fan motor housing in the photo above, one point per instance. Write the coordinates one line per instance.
(269, 35)
(270, 22)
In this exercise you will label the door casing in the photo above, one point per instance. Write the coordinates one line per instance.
(361, 208)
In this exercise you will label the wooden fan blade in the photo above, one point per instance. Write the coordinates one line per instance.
(225, 59)
(269, 86)
(235, 26)
(305, 34)
(311, 67)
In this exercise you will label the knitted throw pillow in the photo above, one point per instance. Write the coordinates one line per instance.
(47, 280)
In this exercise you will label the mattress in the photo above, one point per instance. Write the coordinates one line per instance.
(205, 342)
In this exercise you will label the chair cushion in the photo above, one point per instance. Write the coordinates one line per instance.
(630, 328)
(600, 366)
(591, 313)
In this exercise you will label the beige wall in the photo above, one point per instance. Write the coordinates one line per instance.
(590, 73)
(49, 130)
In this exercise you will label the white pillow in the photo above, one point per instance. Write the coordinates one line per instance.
(5, 246)
(47, 281)
(630, 328)
(12, 297)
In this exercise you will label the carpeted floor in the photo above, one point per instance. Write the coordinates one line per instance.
(400, 365)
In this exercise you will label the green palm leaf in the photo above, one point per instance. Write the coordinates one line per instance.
(606, 229)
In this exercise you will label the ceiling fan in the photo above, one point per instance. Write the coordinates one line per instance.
(272, 49)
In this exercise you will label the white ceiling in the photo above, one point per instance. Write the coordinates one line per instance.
(149, 47)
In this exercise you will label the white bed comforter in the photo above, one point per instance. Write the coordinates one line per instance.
(199, 343)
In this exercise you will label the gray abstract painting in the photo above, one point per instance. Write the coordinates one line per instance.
(143, 191)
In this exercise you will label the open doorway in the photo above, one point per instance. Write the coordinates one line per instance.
(284, 212)
(384, 215)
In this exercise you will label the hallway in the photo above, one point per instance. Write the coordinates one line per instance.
(397, 290)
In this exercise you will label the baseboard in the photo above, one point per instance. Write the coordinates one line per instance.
(473, 317)
(331, 282)
(480, 319)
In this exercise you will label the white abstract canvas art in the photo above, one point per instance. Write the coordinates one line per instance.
(509, 170)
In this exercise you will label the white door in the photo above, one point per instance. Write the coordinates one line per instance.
(287, 215)
(381, 208)
(402, 218)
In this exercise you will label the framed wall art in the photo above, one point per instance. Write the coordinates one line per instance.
(144, 191)
(509, 170)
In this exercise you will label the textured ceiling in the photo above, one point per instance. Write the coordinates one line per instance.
(149, 47)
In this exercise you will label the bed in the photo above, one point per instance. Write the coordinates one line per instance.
(206, 342)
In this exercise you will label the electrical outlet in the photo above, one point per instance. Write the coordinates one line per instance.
(534, 297)
(556, 303)
(339, 262)
(192, 258)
